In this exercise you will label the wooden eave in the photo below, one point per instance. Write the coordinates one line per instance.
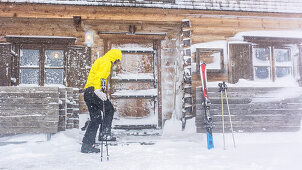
(126, 35)
(272, 40)
(120, 13)
(40, 39)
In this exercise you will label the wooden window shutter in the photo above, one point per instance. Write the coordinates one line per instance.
(78, 65)
(241, 65)
(5, 64)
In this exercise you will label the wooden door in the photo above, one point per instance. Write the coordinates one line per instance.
(133, 84)
(241, 62)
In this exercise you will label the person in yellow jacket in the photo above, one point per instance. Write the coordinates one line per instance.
(94, 98)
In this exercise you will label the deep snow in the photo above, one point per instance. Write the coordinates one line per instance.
(174, 149)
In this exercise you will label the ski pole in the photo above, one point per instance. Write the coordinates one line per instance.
(226, 96)
(106, 142)
(102, 135)
(103, 86)
(222, 114)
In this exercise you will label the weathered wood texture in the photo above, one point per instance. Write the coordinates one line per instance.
(253, 109)
(206, 25)
(281, 6)
(5, 64)
(240, 62)
(78, 62)
(38, 109)
(50, 20)
(69, 108)
(29, 110)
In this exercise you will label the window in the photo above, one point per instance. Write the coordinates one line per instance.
(213, 57)
(262, 63)
(283, 63)
(29, 66)
(33, 71)
(54, 67)
(41, 60)
(271, 63)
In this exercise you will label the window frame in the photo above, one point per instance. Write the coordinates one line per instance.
(42, 43)
(290, 63)
(63, 66)
(199, 51)
(42, 49)
(272, 62)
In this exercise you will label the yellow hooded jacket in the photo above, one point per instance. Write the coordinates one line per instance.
(101, 68)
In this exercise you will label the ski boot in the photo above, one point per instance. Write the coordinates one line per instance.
(86, 148)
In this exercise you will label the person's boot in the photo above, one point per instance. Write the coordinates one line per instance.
(86, 148)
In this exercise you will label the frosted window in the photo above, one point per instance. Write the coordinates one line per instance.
(29, 76)
(54, 58)
(282, 55)
(29, 58)
(54, 76)
(262, 73)
(283, 71)
(262, 54)
(272, 63)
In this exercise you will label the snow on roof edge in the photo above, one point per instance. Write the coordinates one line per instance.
(276, 34)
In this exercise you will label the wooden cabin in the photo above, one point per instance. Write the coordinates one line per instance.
(54, 43)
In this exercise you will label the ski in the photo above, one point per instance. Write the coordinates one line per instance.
(206, 106)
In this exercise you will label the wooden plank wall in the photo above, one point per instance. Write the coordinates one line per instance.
(69, 108)
(254, 109)
(29, 110)
(49, 20)
(206, 25)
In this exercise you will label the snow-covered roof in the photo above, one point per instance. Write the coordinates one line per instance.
(280, 6)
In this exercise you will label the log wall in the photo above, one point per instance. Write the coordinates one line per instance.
(206, 25)
(253, 109)
(38, 109)
(28, 110)
(69, 108)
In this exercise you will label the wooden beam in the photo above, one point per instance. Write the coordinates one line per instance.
(119, 13)
(40, 39)
(126, 35)
(273, 40)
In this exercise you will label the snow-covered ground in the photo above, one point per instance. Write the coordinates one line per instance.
(173, 150)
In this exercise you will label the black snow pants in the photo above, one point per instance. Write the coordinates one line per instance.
(95, 107)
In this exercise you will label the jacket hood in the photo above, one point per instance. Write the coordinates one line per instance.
(113, 55)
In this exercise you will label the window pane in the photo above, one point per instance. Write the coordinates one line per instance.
(262, 73)
(54, 58)
(261, 54)
(282, 71)
(54, 76)
(282, 55)
(29, 58)
(29, 76)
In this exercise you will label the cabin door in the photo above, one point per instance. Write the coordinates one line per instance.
(133, 84)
